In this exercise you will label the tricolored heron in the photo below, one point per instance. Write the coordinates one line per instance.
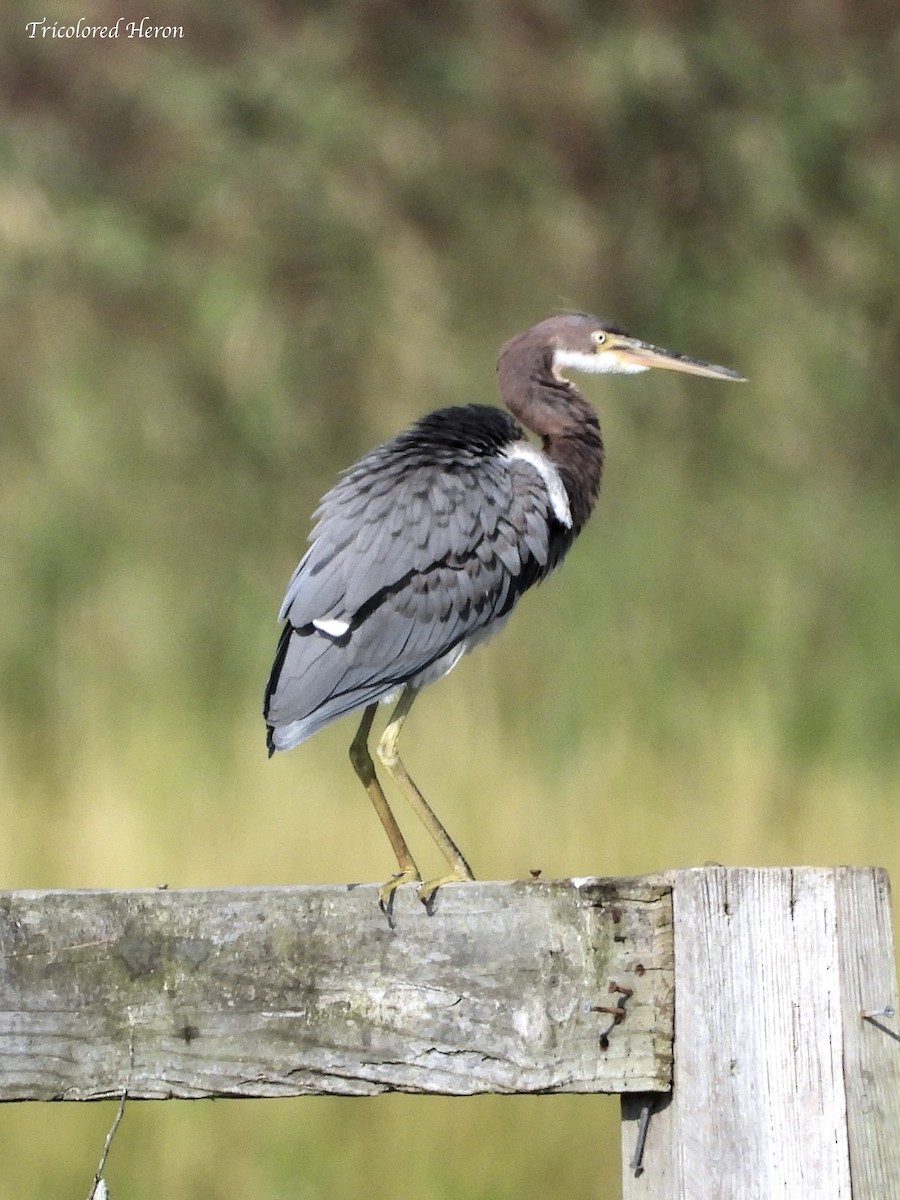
(424, 546)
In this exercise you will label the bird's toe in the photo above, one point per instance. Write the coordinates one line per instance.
(386, 891)
(428, 890)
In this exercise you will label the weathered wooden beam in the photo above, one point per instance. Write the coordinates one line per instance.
(304, 990)
(782, 1087)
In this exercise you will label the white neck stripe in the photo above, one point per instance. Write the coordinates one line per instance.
(556, 489)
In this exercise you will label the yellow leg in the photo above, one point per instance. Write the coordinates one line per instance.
(390, 759)
(365, 770)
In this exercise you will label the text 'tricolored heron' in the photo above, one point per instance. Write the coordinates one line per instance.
(424, 546)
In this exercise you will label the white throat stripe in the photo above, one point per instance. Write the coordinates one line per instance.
(604, 362)
(556, 489)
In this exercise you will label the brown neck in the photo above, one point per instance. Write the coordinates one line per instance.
(555, 410)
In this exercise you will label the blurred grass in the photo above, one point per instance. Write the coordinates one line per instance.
(233, 263)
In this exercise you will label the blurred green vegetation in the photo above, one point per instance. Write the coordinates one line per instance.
(232, 263)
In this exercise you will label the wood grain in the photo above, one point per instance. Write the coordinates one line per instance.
(303, 990)
(781, 1089)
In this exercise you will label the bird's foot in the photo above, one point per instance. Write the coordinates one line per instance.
(386, 891)
(427, 891)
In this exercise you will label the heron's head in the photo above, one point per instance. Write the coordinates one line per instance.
(580, 342)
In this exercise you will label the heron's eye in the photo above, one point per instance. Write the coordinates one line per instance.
(598, 337)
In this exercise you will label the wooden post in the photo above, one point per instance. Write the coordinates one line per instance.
(786, 1080)
(782, 1088)
(254, 992)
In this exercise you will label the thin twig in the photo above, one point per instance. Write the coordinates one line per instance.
(98, 1175)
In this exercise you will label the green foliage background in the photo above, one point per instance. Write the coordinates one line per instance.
(233, 262)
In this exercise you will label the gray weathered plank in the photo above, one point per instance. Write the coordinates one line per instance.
(303, 990)
(871, 1047)
(781, 1089)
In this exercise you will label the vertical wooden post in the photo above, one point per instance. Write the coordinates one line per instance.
(782, 1088)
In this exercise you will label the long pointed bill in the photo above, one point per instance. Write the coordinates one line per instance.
(642, 354)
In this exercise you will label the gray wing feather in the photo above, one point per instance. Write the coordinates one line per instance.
(415, 558)
(355, 554)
